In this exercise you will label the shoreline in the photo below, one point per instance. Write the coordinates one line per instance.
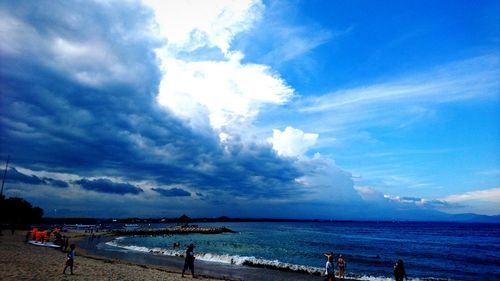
(223, 271)
(219, 271)
(98, 263)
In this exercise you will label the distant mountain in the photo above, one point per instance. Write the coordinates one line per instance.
(475, 218)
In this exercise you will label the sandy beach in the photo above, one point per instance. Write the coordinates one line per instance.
(21, 261)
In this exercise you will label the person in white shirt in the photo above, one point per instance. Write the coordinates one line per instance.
(329, 273)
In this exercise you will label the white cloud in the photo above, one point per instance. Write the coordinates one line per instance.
(218, 92)
(398, 102)
(191, 24)
(368, 193)
(485, 202)
(292, 142)
(473, 78)
(488, 195)
(227, 92)
(407, 200)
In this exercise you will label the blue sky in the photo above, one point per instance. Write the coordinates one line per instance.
(305, 109)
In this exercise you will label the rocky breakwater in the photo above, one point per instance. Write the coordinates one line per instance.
(173, 230)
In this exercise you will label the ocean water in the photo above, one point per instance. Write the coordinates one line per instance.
(431, 251)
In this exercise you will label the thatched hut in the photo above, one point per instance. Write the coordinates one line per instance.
(183, 220)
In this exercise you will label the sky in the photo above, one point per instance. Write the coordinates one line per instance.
(248, 108)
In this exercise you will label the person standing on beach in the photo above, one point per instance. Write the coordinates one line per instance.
(329, 273)
(399, 271)
(341, 266)
(71, 259)
(189, 261)
(66, 243)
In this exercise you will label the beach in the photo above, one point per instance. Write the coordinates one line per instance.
(266, 251)
(21, 261)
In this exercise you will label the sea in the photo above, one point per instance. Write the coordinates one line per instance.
(430, 250)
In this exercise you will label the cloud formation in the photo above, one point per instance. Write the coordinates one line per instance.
(108, 186)
(207, 90)
(491, 195)
(172, 192)
(292, 142)
(13, 175)
(67, 108)
(117, 100)
(189, 25)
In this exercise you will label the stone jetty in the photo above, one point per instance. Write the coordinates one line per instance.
(173, 230)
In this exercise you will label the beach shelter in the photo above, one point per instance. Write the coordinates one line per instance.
(184, 220)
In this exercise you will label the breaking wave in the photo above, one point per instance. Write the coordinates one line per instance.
(226, 259)
(252, 262)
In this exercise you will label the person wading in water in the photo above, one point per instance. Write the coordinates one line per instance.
(341, 266)
(189, 261)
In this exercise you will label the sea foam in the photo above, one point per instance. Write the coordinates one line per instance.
(251, 261)
(225, 259)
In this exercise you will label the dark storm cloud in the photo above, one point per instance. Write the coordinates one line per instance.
(172, 192)
(78, 96)
(108, 186)
(13, 175)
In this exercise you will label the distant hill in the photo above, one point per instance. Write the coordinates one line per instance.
(476, 218)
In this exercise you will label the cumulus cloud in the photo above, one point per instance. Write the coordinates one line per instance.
(217, 91)
(108, 186)
(292, 142)
(55, 124)
(224, 93)
(172, 192)
(196, 23)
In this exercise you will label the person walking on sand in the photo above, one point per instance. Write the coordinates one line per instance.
(399, 271)
(329, 273)
(189, 261)
(341, 266)
(71, 259)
